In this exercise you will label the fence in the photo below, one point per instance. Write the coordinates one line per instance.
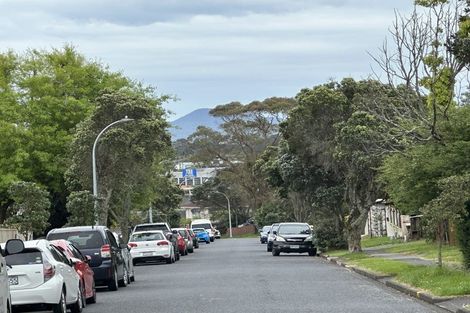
(6, 233)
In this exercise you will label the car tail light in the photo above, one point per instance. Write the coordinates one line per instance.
(106, 251)
(163, 243)
(48, 270)
(132, 245)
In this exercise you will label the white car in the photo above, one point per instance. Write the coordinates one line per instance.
(151, 245)
(41, 274)
(206, 224)
(5, 300)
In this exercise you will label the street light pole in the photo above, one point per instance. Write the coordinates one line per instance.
(93, 160)
(229, 214)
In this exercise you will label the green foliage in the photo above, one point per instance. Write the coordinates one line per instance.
(80, 206)
(29, 212)
(463, 235)
(270, 213)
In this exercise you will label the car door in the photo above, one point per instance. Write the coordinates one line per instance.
(85, 268)
(65, 268)
(4, 285)
(116, 254)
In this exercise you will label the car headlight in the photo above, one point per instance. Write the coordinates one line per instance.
(309, 238)
(279, 238)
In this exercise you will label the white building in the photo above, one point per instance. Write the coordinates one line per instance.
(386, 220)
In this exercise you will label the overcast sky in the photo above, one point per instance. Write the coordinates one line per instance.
(210, 52)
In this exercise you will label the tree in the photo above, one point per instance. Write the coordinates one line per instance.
(30, 209)
(80, 206)
(43, 96)
(448, 207)
(126, 154)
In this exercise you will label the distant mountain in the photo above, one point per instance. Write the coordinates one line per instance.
(186, 125)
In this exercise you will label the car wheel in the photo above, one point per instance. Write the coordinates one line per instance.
(276, 252)
(185, 251)
(191, 250)
(113, 282)
(269, 248)
(60, 307)
(313, 252)
(83, 295)
(125, 278)
(9, 307)
(77, 307)
(93, 298)
(212, 239)
(132, 278)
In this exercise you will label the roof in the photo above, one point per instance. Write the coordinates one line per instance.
(76, 228)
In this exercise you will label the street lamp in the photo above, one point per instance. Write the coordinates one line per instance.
(229, 214)
(93, 158)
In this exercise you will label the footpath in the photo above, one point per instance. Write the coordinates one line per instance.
(451, 304)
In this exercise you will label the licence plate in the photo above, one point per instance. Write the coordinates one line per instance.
(13, 280)
(148, 253)
(294, 247)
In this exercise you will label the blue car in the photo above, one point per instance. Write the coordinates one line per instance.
(202, 235)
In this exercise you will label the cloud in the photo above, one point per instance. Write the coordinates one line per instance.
(210, 51)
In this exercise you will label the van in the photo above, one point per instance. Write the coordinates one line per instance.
(206, 224)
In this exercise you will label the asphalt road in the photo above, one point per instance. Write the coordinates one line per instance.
(239, 276)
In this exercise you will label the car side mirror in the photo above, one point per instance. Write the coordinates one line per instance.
(14, 246)
(274, 232)
(87, 259)
(169, 236)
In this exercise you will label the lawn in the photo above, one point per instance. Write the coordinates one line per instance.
(450, 254)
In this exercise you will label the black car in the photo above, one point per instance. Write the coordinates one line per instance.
(107, 261)
(294, 238)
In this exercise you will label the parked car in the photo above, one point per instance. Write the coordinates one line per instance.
(217, 234)
(174, 242)
(41, 274)
(183, 249)
(99, 243)
(263, 234)
(271, 236)
(207, 225)
(151, 246)
(195, 239)
(187, 238)
(294, 238)
(153, 226)
(80, 264)
(126, 253)
(5, 299)
(202, 235)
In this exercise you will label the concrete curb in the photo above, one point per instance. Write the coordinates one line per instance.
(387, 280)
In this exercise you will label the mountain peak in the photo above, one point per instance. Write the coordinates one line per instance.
(186, 125)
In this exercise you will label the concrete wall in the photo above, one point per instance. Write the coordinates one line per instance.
(248, 229)
(6, 234)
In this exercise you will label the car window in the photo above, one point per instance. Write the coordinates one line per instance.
(82, 239)
(139, 228)
(183, 233)
(27, 257)
(146, 237)
(294, 230)
(58, 255)
(76, 253)
(205, 226)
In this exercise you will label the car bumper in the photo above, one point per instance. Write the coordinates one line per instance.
(151, 254)
(103, 273)
(291, 247)
(47, 293)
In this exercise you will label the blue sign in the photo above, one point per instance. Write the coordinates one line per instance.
(189, 172)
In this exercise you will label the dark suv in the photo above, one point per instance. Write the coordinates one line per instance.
(294, 238)
(98, 242)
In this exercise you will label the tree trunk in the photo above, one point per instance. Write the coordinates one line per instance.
(440, 240)
(103, 208)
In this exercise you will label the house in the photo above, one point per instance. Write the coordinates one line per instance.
(386, 220)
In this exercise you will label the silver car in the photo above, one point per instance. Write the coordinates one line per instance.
(271, 236)
(263, 234)
(187, 238)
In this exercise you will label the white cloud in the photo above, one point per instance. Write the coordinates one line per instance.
(210, 51)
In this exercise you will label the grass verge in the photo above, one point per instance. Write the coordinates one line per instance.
(450, 254)
(438, 281)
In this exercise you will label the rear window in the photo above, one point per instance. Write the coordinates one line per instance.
(146, 237)
(27, 257)
(150, 227)
(82, 240)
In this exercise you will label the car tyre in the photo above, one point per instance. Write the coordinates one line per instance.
(313, 252)
(113, 284)
(269, 248)
(9, 307)
(276, 252)
(77, 307)
(60, 307)
(212, 239)
(191, 250)
(125, 278)
(208, 242)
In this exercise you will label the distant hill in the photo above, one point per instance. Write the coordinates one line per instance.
(186, 125)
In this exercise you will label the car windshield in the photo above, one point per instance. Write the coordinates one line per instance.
(205, 226)
(294, 230)
(82, 239)
(27, 257)
(266, 229)
(146, 237)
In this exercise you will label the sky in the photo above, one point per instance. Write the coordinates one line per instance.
(210, 52)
